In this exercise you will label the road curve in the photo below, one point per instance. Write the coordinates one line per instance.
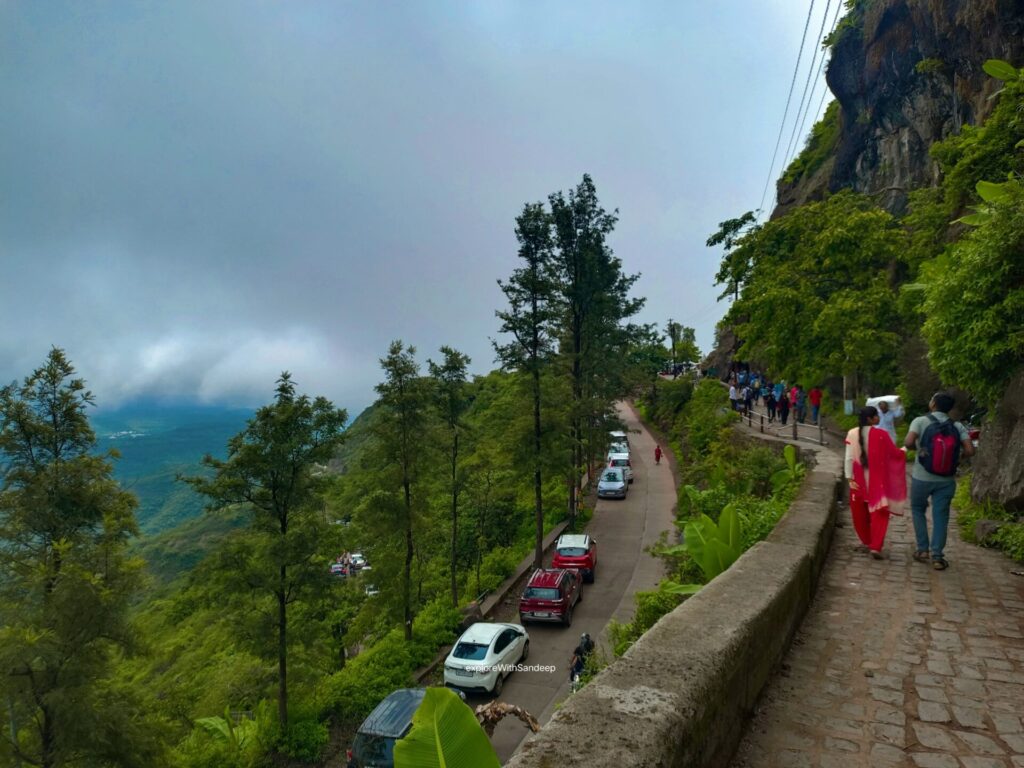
(624, 530)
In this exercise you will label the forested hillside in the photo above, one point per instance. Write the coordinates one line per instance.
(237, 645)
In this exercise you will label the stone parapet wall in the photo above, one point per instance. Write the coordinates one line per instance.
(683, 693)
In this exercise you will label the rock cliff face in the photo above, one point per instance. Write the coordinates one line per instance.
(907, 73)
(999, 464)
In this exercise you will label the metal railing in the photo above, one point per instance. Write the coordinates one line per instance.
(814, 433)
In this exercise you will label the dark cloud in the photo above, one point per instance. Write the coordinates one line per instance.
(198, 195)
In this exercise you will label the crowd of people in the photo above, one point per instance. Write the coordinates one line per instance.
(747, 389)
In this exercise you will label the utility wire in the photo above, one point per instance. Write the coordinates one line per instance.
(807, 88)
(785, 114)
(802, 121)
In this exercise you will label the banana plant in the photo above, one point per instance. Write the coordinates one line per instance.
(793, 473)
(237, 736)
(713, 546)
(445, 734)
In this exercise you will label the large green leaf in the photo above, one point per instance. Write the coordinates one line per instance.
(1000, 70)
(674, 588)
(991, 192)
(729, 528)
(696, 535)
(445, 734)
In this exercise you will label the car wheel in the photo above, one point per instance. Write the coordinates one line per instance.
(593, 572)
(526, 651)
(499, 683)
(567, 617)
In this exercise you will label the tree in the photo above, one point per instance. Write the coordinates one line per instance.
(672, 328)
(66, 580)
(530, 292)
(593, 300)
(735, 267)
(452, 402)
(274, 468)
(400, 423)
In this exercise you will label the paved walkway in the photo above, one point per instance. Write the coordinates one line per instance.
(900, 665)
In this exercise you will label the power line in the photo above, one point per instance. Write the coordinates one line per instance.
(807, 87)
(802, 120)
(785, 114)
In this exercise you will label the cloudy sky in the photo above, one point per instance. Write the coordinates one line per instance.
(195, 196)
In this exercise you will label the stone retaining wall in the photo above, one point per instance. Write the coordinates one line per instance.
(682, 694)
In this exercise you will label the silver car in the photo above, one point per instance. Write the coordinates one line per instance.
(612, 484)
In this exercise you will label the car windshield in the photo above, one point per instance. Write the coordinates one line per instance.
(470, 651)
(374, 750)
(612, 477)
(619, 462)
(572, 551)
(541, 593)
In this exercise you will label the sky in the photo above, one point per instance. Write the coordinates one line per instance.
(195, 196)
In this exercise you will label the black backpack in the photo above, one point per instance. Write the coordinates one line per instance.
(939, 451)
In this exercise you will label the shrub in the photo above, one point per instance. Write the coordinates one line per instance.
(1010, 538)
(650, 606)
(305, 740)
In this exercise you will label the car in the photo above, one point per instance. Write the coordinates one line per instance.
(622, 462)
(612, 484)
(550, 595)
(339, 570)
(371, 590)
(390, 720)
(359, 562)
(618, 437)
(485, 655)
(576, 550)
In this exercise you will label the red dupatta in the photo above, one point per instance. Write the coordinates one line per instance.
(887, 473)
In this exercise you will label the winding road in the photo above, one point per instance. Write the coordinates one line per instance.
(624, 530)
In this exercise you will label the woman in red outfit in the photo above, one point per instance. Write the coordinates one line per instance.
(877, 472)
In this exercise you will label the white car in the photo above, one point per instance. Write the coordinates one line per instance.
(621, 461)
(618, 437)
(485, 655)
(359, 562)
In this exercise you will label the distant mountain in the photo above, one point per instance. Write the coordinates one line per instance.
(157, 442)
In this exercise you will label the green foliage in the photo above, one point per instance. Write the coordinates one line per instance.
(66, 581)
(969, 511)
(304, 740)
(714, 546)
(792, 474)
(931, 66)
(819, 148)
(817, 301)
(1010, 538)
(650, 606)
(445, 734)
(974, 298)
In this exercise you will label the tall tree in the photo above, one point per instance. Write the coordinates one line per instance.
(273, 469)
(672, 328)
(530, 292)
(735, 267)
(593, 298)
(452, 402)
(65, 579)
(401, 418)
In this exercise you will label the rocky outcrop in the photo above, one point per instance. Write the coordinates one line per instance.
(999, 463)
(908, 73)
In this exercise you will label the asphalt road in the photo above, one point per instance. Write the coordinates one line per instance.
(623, 529)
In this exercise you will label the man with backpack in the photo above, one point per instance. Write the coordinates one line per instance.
(939, 442)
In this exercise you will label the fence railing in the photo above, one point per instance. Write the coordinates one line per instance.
(796, 429)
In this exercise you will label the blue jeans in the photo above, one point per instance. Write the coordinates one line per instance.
(941, 494)
(815, 409)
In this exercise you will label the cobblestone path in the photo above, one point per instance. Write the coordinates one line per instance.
(900, 665)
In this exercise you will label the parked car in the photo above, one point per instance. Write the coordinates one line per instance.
(485, 655)
(621, 460)
(359, 562)
(612, 484)
(550, 595)
(576, 550)
(618, 437)
(371, 590)
(339, 570)
(390, 720)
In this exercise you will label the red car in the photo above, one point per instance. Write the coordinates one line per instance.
(576, 550)
(550, 595)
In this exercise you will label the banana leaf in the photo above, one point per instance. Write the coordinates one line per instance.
(445, 734)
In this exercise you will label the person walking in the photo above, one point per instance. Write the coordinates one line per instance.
(939, 442)
(748, 396)
(877, 473)
(887, 416)
(657, 454)
(783, 409)
(815, 397)
(770, 404)
(800, 403)
(733, 396)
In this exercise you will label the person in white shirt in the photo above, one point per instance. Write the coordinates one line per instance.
(887, 416)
